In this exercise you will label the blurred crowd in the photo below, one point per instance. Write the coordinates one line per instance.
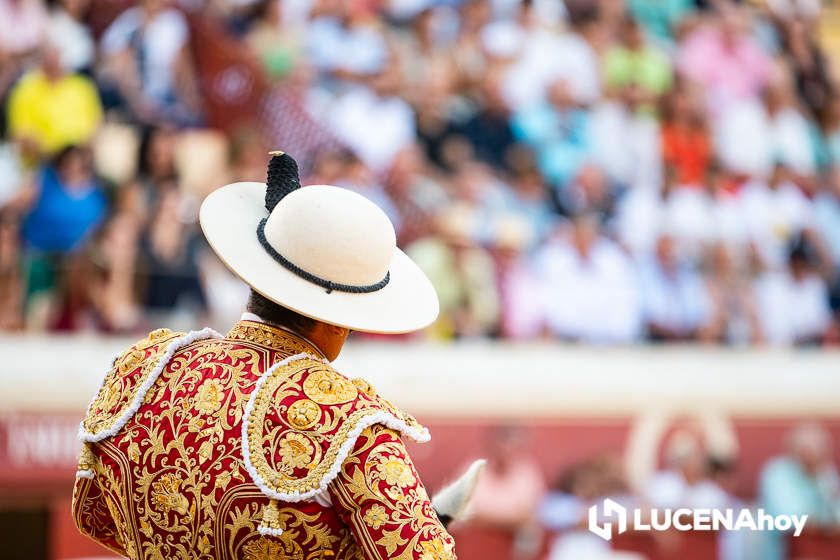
(603, 171)
(529, 516)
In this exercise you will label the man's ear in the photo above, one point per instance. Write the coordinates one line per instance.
(340, 331)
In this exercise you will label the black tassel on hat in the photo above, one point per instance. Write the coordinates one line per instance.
(283, 178)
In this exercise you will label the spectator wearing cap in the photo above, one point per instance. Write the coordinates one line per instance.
(793, 303)
(462, 272)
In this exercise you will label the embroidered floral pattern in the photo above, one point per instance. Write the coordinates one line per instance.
(285, 469)
(127, 376)
(166, 495)
(171, 483)
(435, 549)
(398, 521)
(304, 414)
(263, 549)
(376, 516)
(209, 397)
(297, 450)
(395, 471)
(326, 386)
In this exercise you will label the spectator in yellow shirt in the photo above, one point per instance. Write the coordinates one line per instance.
(50, 109)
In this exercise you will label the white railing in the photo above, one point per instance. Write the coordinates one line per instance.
(490, 378)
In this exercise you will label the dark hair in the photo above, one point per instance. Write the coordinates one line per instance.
(68, 152)
(276, 314)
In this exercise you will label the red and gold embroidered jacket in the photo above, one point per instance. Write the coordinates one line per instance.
(248, 446)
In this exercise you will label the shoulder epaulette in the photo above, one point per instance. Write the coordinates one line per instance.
(131, 375)
(302, 421)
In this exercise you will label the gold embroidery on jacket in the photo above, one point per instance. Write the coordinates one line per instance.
(394, 503)
(120, 386)
(294, 456)
(272, 337)
(326, 386)
(172, 480)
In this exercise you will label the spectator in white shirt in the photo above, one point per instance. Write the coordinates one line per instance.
(625, 141)
(67, 30)
(685, 482)
(774, 212)
(343, 39)
(589, 287)
(750, 136)
(729, 282)
(362, 107)
(147, 57)
(793, 304)
(675, 299)
(789, 129)
(572, 59)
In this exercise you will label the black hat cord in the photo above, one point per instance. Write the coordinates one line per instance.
(283, 178)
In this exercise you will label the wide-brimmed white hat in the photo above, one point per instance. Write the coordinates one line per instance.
(323, 251)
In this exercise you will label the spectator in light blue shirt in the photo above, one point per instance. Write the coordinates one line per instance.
(556, 130)
(827, 214)
(804, 481)
(676, 302)
(660, 17)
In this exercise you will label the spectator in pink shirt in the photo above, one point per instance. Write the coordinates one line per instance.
(725, 61)
(507, 496)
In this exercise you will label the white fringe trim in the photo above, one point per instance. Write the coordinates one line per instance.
(87, 473)
(249, 408)
(173, 347)
(269, 532)
(378, 417)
